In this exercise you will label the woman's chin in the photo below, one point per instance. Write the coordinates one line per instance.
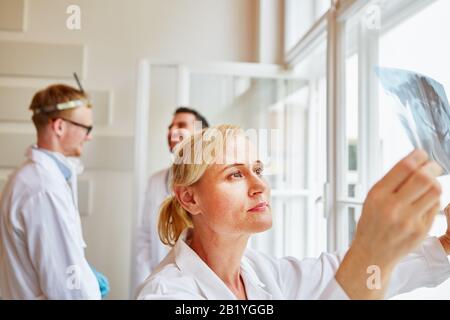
(262, 223)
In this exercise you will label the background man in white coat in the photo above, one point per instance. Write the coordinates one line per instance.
(149, 248)
(41, 242)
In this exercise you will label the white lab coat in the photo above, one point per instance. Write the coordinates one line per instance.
(149, 250)
(183, 275)
(41, 242)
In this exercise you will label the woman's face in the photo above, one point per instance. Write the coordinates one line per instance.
(233, 197)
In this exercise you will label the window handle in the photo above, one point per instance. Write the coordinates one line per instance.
(327, 207)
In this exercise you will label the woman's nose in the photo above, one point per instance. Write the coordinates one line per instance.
(257, 185)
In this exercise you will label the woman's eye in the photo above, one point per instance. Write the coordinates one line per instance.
(259, 171)
(237, 174)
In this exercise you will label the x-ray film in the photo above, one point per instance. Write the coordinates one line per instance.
(423, 110)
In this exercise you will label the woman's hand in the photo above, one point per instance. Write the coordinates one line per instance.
(396, 216)
(445, 239)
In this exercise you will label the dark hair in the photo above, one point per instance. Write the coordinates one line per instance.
(197, 115)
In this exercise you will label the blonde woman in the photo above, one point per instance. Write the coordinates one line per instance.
(218, 202)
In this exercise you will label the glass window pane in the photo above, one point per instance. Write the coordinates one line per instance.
(312, 100)
(296, 136)
(353, 212)
(351, 107)
(403, 35)
(416, 45)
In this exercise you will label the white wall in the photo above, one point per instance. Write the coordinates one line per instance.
(116, 34)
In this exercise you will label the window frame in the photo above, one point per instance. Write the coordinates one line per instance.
(334, 22)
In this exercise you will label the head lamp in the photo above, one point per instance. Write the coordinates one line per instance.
(62, 106)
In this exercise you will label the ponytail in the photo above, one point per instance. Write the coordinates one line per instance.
(173, 219)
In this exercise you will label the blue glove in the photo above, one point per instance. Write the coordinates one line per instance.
(102, 283)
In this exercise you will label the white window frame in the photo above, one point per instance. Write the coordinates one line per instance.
(335, 189)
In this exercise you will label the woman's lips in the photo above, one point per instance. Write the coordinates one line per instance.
(260, 207)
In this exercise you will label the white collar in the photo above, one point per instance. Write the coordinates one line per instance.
(212, 286)
(68, 167)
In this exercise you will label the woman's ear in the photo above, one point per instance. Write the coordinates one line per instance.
(185, 196)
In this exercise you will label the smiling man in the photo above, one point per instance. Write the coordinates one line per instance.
(41, 242)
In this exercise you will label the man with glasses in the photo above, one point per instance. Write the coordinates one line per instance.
(41, 242)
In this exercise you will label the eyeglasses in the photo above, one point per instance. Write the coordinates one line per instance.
(88, 128)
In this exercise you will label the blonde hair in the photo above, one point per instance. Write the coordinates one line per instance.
(188, 167)
(51, 96)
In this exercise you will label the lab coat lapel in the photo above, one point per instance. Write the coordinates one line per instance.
(254, 288)
(45, 161)
(50, 164)
(210, 285)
